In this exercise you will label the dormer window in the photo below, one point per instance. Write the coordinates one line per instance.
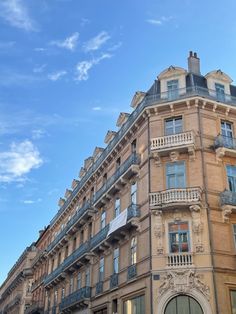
(173, 89)
(220, 92)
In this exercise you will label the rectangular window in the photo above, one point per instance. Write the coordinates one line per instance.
(59, 259)
(173, 89)
(133, 249)
(101, 269)
(104, 179)
(220, 92)
(79, 283)
(55, 297)
(233, 301)
(135, 305)
(87, 277)
(231, 175)
(179, 237)
(90, 226)
(66, 251)
(117, 207)
(134, 193)
(81, 237)
(116, 260)
(103, 219)
(227, 134)
(134, 146)
(118, 163)
(173, 126)
(71, 284)
(74, 244)
(234, 234)
(62, 293)
(175, 175)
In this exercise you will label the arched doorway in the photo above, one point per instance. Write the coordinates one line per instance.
(183, 304)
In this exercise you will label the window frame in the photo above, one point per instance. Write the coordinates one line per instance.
(103, 219)
(116, 260)
(175, 174)
(133, 193)
(133, 250)
(101, 270)
(174, 125)
(117, 207)
(172, 93)
(231, 180)
(179, 232)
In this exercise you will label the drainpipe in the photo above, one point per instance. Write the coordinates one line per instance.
(150, 219)
(207, 209)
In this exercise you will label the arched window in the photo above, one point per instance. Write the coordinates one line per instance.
(183, 304)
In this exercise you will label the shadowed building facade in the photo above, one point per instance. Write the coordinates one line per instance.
(150, 224)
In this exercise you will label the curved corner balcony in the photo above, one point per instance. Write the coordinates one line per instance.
(127, 169)
(182, 142)
(114, 231)
(77, 220)
(78, 299)
(175, 197)
(225, 146)
(228, 204)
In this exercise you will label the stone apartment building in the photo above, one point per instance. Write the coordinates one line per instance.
(15, 292)
(150, 224)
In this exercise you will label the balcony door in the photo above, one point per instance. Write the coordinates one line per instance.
(227, 133)
(231, 175)
(173, 125)
(179, 237)
(183, 304)
(173, 89)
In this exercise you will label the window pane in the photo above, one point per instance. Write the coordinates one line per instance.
(233, 301)
(135, 306)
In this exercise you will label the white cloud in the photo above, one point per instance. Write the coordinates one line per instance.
(160, 21)
(39, 68)
(57, 75)
(37, 134)
(32, 201)
(16, 14)
(115, 46)
(97, 108)
(19, 160)
(83, 67)
(69, 43)
(96, 42)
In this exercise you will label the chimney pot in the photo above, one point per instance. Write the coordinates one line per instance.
(194, 63)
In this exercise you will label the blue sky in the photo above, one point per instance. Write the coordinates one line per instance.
(67, 69)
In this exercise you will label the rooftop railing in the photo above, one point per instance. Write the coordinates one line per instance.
(149, 100)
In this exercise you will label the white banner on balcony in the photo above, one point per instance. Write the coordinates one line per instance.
(118, 222)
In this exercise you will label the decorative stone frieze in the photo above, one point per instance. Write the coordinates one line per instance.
(197, 227)
(158, 230)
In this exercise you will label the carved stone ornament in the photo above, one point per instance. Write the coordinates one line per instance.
(197, 227)
(174, 156)
(226, 212)
(157, 159)
(191, 152)
(159, 231)
(183, 281)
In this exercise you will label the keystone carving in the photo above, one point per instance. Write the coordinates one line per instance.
(226, 212)
(183, 281)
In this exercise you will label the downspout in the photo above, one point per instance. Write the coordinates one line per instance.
(150, 219)
(207, 209)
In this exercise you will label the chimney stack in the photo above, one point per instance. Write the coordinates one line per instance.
(194, 63)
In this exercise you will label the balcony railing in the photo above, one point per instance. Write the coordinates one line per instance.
(225, 141)
(75, 298)
(99, 287)
(149, 100)
(114, 281)
(77, 216)
(175, 196)
(134, 159)
(172, 141)
(35, 308)
(87, 247)
(228, 198)
(180, 260)
(132, 271)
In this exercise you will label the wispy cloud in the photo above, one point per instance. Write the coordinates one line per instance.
(115, 46)
(39, 68)
(38, 133)
(96, 42)
(56, 75)
(69, 43)
(83, 67)
(160, 21)
(16, 14)
(18, 161)
(96, 108)
(29, 202)
(40, 49)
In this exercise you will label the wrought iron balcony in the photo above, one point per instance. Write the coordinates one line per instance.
(99, 237)
(114, 281)
(225, 145)
(99, 287)
(132, 271)
(35, 308)
(134, 159)
(228, 198)
(76, 255)
(58, 272)
(76, 220)
(179, 141)
(75, 298)
(170, 197)
(179, 260)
